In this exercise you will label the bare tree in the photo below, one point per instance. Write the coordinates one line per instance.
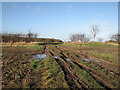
(100, 39)
(79, 38)
(73, 37)
(35, 35)
(30, 35)
(95, 30)
(115, 37)
(112, 38)
(87, 38)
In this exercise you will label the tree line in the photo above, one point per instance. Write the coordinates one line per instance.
(21, 37)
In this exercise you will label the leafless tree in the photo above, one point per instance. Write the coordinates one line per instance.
(115, 37)
(30, 35)
(79, 38)
(112, 38)
(95, 30)
(100, 39)
(72, 38)
(35, 35)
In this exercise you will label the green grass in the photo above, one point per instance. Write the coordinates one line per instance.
(111, 57)
(34, 46)
(84, 76)
(88, 44)
(95, 44)
(54, 75)
(104, 51)
(36, 65)
(28, 46)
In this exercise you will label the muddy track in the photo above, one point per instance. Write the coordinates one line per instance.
(8, 60)
(68, 71)
(105, 65)
(33, 77)
(62, 57)
(83, 53)
(92, 73)
(68, 76)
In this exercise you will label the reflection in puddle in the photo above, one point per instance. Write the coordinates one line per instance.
(91, 59)
(38, 57)
(85, 59)
(96, 60)
(55, 57)
(68, 59)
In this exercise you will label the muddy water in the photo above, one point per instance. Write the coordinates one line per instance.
(39, 57)
(96, 60)
(55, 57)
(91, 59)
(68, 59)
(84, 59)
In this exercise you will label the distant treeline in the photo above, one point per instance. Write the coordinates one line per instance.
(30, 37)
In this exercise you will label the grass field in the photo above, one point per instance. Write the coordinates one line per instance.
(70, 65)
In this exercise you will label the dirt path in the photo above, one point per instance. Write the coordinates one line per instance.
(110, 66)
(75, 66)
(94, 74)
(69, 76)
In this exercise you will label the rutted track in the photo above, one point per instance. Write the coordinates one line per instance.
(93, 73)
(112, 66)
(109, 66)
(61, 67)
(69, 75)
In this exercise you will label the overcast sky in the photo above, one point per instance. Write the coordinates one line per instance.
(60, 19)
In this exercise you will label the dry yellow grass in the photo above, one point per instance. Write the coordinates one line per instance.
(18, 44)
(113, 44)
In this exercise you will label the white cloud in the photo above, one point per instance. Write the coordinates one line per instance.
(69, 7)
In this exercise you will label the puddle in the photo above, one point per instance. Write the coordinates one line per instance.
(55, 57)
(85, 59)
(96, 60)
(38, 57)
(68, 59)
